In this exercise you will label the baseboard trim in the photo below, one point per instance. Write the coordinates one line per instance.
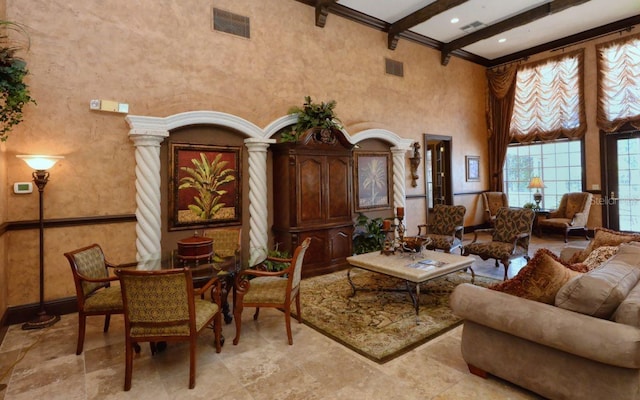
(25, 312)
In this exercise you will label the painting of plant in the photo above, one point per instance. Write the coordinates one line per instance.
(205, 187)
(372, 180)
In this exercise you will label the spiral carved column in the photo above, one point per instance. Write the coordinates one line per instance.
(258, 195)
(399, 176)
(148, 208)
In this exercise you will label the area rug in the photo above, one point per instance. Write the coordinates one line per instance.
(380, 325)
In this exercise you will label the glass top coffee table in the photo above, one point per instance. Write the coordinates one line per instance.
(413, 268)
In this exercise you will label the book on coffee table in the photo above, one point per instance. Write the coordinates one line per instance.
(426, 264)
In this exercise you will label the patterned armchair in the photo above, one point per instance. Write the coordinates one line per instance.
(226, 245)
(161, 306)
(493, 201)
(446, 229)
(94, 292)
(510, 237)
(572, 214)
(271, 289)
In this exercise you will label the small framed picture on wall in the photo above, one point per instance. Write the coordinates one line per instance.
(473, 168)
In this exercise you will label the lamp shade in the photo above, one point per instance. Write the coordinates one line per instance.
(40, 162)
(536, 183)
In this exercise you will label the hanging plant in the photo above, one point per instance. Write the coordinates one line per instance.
(312, 115)
(14, 93)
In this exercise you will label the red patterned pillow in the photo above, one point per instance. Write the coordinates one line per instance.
(540, 279)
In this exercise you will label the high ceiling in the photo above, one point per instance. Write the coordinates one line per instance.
(489, 32)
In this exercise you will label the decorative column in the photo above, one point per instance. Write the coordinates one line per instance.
(148, 207)
(258, 195)
(399, 180)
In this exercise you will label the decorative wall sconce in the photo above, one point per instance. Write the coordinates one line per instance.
(415, 162)
(40, 177)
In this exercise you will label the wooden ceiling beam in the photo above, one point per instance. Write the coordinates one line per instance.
(507, 24)
(322, 11)
(417, 18)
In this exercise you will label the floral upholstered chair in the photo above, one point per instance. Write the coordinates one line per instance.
(226, 244)
(94, 292)
(161, 306)
(510, 237)
(271, 289)
(493, 201)
(446, 229)
(572, 214)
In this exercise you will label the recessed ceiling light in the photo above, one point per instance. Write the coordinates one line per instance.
(502, 40)
(455, 20)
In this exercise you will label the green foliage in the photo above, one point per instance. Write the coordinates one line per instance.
(312, 115)
(368, 236)
(273, 265)
(14, 93)
(207, 178)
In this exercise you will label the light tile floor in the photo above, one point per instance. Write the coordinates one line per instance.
(43, 364)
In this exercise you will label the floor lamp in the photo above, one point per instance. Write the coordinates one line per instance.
(40, 177)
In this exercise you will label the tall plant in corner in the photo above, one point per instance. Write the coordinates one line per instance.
(207, 178)
(14, 93)
(312, 115)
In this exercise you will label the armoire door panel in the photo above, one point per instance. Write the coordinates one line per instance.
(340, 240)
(339, 190)
(310, 192)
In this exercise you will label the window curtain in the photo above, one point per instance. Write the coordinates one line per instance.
(501, 90)
(619, 83)
(549, 99)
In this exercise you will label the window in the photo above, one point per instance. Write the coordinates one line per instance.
(549, 100)
(619, 83)
(558, 163)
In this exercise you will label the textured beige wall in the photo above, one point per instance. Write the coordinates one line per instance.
(164, 58)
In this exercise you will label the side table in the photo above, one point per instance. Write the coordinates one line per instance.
(540, 213)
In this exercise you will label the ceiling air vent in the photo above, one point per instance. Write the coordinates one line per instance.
(474, 26)
(228, 22)
(393, 67)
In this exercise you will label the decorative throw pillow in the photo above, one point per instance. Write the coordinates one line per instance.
(604, 237)
(598, 256)
(599, 292)
(540, 279)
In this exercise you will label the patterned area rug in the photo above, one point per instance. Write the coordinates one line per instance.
(380, 325)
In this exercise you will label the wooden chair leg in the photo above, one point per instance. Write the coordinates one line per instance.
(298, 308)
(107, 319)
(237, 315)
(287, 321)
(192, 362)
(506, 268)
(82, 321)
(566, 235)
(128, 369)
(256, 314)
(217, 330)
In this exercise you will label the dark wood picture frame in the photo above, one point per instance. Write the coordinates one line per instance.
(217, 202)
(372, 175)
(472, 168)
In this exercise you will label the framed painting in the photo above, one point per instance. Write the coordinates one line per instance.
(473, 168)
(372, 172)
(204, 188)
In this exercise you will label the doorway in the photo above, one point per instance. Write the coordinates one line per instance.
(437, 170)
(621, 177)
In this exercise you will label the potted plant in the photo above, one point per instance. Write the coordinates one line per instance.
(368, 235)
(14, 93)
(312, 115)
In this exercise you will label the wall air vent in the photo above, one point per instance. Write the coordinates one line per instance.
(228, 22)
(474, 26)
(393, 67)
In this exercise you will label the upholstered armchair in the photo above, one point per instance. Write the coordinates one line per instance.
(162, 306)
(94, 293)
(446, 228)
(226, 245)
(572, 214)
(493, 201)
(271, 289)
(509, 237)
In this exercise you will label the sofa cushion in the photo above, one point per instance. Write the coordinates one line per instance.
(540, 279)
(599, 292)
(604, 237)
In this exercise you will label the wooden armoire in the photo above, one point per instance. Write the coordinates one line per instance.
(313, 197)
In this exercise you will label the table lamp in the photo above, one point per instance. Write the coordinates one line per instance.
(537, 184)
(41, 164)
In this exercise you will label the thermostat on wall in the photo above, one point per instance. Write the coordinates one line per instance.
(22, 187)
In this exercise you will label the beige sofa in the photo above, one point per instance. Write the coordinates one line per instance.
(561, 350)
